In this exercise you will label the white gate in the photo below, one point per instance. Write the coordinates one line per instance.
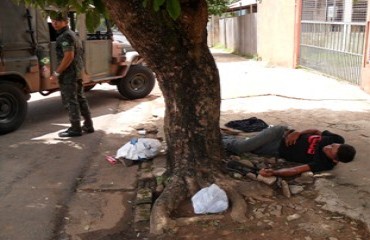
(332, 37)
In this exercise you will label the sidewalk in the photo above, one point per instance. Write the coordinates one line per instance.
(304, 99)
(241, 77)
(106, 195)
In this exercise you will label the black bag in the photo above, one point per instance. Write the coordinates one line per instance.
(252, 124)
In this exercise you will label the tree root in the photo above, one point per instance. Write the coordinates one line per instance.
(191, 220)
(237, 202)
(173, 194)
(180, 189)
(239, 206)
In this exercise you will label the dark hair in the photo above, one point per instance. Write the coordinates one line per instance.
(346, 153)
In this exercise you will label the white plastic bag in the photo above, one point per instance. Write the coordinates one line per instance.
(139, 149)
(211, 199)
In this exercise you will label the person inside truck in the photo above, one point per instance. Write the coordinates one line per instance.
(315, 150)
(69, 65)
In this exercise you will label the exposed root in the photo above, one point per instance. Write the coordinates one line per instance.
(173, 194)
(237, 202)
(177, 191)
(239, 206)
(191, 220)
(192, 185)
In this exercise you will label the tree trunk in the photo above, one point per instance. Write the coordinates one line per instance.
(177, 52)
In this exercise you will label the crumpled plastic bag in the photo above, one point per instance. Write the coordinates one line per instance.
(139, 149)
(210, 199)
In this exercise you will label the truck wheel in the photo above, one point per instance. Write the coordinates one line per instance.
(138, 83)
(13, 107)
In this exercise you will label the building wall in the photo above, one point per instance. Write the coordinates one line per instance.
(239, 34)
(365, 73)
(276, 36)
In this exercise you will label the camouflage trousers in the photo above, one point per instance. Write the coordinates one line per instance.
(73, 97)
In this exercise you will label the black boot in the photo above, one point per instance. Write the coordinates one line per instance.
(74, 131)
(88, 126)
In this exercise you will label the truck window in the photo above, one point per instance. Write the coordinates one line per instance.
(102, 32)
(52, 32)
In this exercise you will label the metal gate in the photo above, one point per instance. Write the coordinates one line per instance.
(332, 37)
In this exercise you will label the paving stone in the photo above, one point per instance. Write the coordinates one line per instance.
(307, 174)
(159, 171)
(234, 157)
(145, 175)
(142, 213)
(252, 176)
(285, 188)
(237, 176)
(305, 178)
(143, 196)
(276, 210)
(271, 160)
(248, 163)
(267, 180)
(324, 175)
(295, 189)
(293, 217)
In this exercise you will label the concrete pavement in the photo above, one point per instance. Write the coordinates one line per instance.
(300, 98)
(305, 99)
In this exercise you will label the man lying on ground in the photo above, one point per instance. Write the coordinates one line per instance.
(316, 150)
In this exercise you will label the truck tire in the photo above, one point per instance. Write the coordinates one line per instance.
(13, 107)
(138, 83)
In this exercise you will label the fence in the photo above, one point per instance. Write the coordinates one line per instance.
(237, 33)
(334, 48)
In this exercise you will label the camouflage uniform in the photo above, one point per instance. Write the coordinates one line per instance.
(70, 83)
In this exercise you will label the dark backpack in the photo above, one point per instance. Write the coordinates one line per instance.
(252, 124)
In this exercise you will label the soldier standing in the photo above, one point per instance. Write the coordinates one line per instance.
(70, 63)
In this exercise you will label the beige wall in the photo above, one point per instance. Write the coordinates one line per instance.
(365, 73)
(276, 32)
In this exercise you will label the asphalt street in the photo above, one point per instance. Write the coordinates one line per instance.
(39, 171)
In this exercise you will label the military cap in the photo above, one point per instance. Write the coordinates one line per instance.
(59, 16)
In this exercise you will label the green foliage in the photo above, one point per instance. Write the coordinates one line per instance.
(157, 4)
(93, 8)
(217, 7)
(99, 6)
(174, 9)
(92, 20)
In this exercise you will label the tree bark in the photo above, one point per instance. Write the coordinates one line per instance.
(177, 51)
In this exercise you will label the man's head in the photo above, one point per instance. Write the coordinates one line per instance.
(340, 152)
(346, 153)
(59, 20)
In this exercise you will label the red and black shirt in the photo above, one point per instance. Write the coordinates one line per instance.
(309, 150)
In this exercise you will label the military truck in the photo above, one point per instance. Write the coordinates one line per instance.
(28, 57)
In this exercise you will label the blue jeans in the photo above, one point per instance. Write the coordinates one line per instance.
(265, 143)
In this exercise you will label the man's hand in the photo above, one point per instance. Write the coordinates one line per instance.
(53, 79)
(267, 172)
(292, 137)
